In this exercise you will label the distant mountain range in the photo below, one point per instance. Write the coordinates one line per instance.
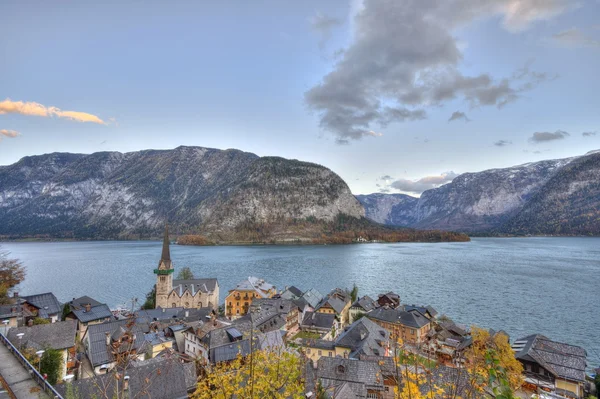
(553, 197)
(218, 196)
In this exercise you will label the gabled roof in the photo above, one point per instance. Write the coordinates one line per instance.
(336, 299)
(334, 370)
(412, 319)
(562, 360)
(98, 312)
(313, 297)
(203, 285)
(260, 286)
(46, 303)
(323, 321)
(59, 335)
(424, 310)
(365, 338)
(98, 352)
(157, 378)
(365, 303)
(79, 303)
(291, 292)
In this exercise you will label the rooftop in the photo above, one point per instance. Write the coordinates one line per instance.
(98, 312)
(365, 338)
(59, 335)
(318, 320)
(46, 303)
(412, 319)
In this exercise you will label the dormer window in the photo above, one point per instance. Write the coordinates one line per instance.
(341, 369)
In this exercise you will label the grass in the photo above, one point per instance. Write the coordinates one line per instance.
(307, 335)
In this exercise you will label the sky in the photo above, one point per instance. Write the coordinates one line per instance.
(392, 95)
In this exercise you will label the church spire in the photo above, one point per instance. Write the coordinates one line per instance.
(166, 253)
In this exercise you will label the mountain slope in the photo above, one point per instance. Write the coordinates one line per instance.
(547, 197)
(110, 194)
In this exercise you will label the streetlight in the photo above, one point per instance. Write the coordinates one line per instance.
(39, 354)
(5, 322)
(20, 336)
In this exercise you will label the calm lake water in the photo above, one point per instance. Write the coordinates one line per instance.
(522, 285)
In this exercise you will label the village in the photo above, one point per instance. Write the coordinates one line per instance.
(346, 345)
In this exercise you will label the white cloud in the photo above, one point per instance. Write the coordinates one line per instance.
(422, 184)
(35, 109)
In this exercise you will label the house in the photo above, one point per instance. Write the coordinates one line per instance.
(87, 311)
(194, 345)
(108, 344)
(336, 302)
(239, 299)
(321, 323)
(59, 335)
(262, 308)
(163, 378)
(361, 338)
(44, 306)
(350, 379)
(312, 297)
(361, 306)
(291, 293)
(11, 316)
(409, 327)
(391, 299)
(552, 366)
(193, 293)
(447, 342)
(156, 342)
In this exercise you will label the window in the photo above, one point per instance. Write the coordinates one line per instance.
(330, 354)
(237, 311)
(412, 332)
(173, 305)
(320, 353)
(307, 350)
(200, 304)
(237, 304)
(187, 304)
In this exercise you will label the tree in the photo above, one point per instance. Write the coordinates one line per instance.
(185, 274)
(354, 293)
(150, 302)
(65, 311)
(12, 272)
(51, 364)
(39, 320)
(275, 374)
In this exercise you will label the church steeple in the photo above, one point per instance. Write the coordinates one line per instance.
(166, 253)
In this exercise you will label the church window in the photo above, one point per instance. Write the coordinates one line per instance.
(173, 305)
(200, 305)
(187, 304)
(162, 279)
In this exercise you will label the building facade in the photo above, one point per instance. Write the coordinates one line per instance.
(192, 293)
(238, 302)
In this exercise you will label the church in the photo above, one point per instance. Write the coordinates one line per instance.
(195, 293)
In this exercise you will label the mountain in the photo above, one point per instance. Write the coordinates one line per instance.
(547, 197)
(198, 190)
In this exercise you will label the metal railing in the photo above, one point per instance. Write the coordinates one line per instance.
(35, 375)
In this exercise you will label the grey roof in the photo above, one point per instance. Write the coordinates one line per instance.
(96, 313)
(313, 297)
(562, 360)
(97, 350)
(203, 285)
(47, 303)
(291, 292)
(171, 314)
(424, 310)
(365, 337)
(8, 311)
(334, 370)
(318, 320)
(412, 319)
(230, 351)
(78, 303)
(163, 379)
(255, 284)
(59, 335)
(365, 303)
(319, 343)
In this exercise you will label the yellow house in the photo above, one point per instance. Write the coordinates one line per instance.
(240, 298)
(337, 302)
(157, 343)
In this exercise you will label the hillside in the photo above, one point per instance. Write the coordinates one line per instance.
(547, 197)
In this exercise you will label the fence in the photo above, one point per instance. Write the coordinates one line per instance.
(35, 375)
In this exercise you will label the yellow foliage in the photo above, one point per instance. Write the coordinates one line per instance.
(276, 375)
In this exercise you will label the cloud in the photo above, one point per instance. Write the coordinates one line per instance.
(502, 143)
(322, 25)
(404, 57)
(457, 115)
(386, 177)
(8, 133)
(588, 134)
(422, 184)
(542, 137)
(35, 109)
(574, 38)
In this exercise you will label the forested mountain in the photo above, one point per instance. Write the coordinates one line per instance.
(548, 197)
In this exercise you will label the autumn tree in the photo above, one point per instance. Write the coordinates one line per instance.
(273, 374)
(12, 272)
(185, 274)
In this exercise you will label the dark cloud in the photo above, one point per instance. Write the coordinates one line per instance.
(588, 134)
(457, 115)
(323, 24)
(422, 184)
(502, 143)
(574, 38)
(404, 57)
(542, 137)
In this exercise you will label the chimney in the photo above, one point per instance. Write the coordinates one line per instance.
(88, 307)
(126, 383)
(187, 313)
(29, 322)
(15, 294)
(107, 338)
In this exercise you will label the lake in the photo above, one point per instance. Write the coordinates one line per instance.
(521, 285)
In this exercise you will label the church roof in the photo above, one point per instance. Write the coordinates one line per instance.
(166, 253)
(204, 285)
